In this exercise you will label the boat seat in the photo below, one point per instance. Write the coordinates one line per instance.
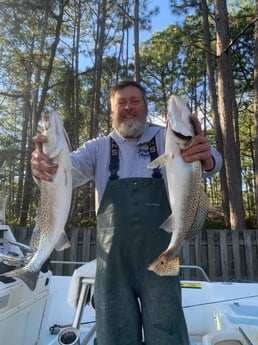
(86, 273)
(79, 294)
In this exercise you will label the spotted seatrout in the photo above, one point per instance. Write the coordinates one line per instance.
(54, 204)
(188, 201)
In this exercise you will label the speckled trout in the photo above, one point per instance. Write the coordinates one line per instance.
(188, 201)
(54, 203)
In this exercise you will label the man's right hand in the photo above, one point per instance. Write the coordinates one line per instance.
(39, 169)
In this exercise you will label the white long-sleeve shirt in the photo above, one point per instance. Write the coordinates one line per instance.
(92, 159)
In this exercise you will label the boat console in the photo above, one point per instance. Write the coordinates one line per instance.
(22, 311)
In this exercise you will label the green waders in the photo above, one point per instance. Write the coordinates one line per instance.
(128, 297)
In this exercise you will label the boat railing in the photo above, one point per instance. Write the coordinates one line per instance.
(183, 269)
(198, 270)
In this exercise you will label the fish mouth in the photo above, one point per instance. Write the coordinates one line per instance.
(187, 138)
(182, 136)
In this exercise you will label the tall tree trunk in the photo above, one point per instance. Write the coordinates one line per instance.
(99, 49)
(136, 42)
(75, 68)
(214, 105)
(34, 115)
(74, 111)
(59, 21)
(229, 117)
(256, 108)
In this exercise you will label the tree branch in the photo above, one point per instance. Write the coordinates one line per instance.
(240, 34)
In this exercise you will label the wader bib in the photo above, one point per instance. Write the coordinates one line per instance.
(128, 240)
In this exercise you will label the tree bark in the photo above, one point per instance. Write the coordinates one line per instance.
(256, 109)
(99, 49)
(214, 106)
(137, 76)
(229, 117)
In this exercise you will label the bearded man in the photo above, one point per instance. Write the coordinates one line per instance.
(132, 303)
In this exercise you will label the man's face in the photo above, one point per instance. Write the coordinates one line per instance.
(129, 112)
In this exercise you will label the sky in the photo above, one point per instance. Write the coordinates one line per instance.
(159, 23)
(162, 20)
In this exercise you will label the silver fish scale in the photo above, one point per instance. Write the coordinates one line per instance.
(198, 205)
(45, 206)
(42, 216)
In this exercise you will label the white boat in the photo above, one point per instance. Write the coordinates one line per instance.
(217, 313)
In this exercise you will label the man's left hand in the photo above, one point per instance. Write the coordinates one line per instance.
(200, 148)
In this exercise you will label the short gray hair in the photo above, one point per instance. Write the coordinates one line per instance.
(125, 83)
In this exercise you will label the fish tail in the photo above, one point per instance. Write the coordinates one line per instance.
(28, 277)
(165, 265)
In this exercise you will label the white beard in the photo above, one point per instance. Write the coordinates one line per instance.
(132, 129)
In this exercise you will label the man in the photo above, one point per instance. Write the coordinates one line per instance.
(131, 204)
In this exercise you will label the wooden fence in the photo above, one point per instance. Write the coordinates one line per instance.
(225, 255)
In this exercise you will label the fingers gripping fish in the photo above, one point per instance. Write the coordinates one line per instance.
(188, 201)
(54, 204)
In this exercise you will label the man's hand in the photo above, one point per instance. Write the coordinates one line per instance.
(200, 148)
(39, 169)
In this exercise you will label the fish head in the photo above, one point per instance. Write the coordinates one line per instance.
(52, 124)
(178, 117)
(53, 129)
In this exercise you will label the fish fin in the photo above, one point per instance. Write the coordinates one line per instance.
(67, 140)
(28, 277)
(78, 178)
(202, 212)
(158, 162)
(167, 225)
(165, 265)
(63, 242)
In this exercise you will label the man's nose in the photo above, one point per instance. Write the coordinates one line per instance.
(128, 105)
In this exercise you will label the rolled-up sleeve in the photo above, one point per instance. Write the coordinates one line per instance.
(217, 158)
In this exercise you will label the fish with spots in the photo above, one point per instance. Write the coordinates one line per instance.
(188, 200)
(54, 203)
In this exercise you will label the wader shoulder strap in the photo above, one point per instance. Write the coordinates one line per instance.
(153, 155)
(114, 159)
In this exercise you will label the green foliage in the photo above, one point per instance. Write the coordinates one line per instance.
(172, 61)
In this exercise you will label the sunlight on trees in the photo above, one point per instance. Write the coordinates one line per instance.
(65, 55)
